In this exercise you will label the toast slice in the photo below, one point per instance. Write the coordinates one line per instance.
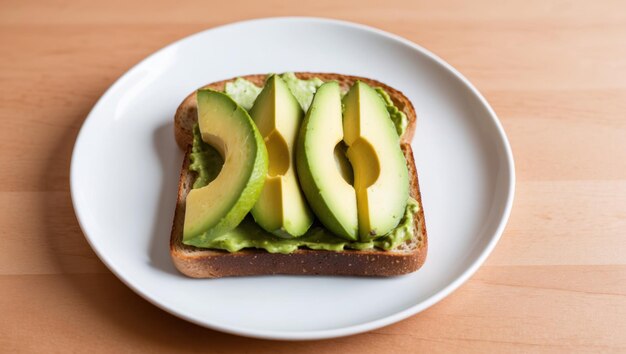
(208, 263)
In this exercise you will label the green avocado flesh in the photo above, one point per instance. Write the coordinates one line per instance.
(399, 119)
(381, 180)
(245, 92)
(207, 163)
(281, 209)
(221, 205)
(250, 235)
(329, 194)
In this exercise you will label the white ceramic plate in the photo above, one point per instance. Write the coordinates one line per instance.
(125, 169)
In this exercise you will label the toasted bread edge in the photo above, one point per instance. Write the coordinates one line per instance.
(207, 263)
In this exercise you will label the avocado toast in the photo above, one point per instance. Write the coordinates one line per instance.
(250, 250)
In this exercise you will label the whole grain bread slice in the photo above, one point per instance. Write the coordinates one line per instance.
(208, 263)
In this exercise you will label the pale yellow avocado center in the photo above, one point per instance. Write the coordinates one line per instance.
(281, 208)
(279, 154)
(380, 172)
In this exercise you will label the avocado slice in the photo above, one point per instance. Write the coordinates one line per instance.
(331, 197)
(381, 177)
(281, 208)
(222, 204)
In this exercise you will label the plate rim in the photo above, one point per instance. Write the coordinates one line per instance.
(326, 333)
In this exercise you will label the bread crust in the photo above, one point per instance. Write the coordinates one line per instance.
(208, 263)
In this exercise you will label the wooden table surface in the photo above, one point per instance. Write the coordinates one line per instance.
(554, 71)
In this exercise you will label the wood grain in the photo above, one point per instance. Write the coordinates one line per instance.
(554, 71)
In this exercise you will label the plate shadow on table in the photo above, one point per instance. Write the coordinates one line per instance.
(92, 288)
(170, 161)
(103, 297)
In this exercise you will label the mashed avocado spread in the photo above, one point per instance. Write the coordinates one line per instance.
(245, 92)
(398, 117)
(207, 163)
